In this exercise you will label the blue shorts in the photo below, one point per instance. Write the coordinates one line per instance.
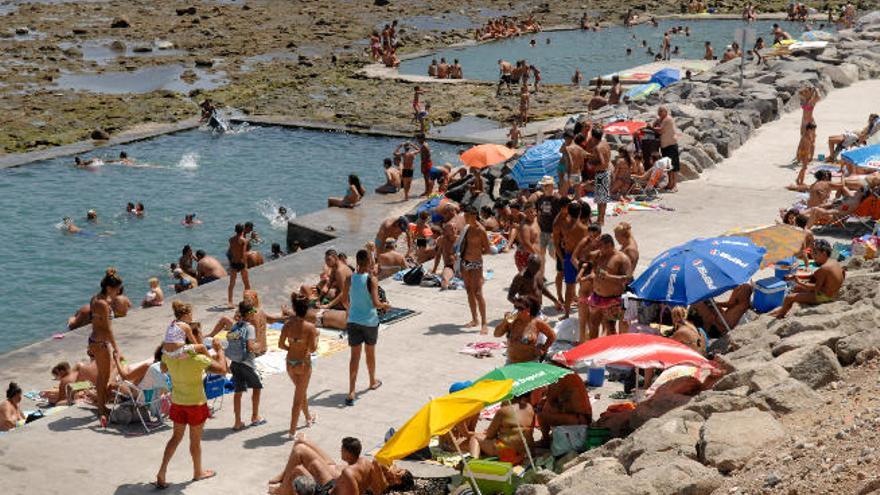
(436, 173)
(569, 271)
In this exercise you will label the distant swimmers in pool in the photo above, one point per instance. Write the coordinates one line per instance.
(135, 210)
(190, 220)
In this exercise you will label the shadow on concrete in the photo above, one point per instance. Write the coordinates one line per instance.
(215, 434)
(71, 423)
(447, 329)
(219, 308)
(273, 439)
(325, 399)
(147, 487)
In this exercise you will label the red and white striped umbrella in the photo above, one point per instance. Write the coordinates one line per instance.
(640, 350)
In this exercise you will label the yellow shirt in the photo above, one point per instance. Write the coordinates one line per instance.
(186, 375)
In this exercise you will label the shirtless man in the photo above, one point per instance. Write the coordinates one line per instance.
(389, 262)
(455, 71)
(475, 243)
(779, 34)
(566, 238)
(208, 268)
(432, 69)
(612, 272)
(506, 76)
(599, 159)
(254, 259)
(392, 178)
(665, 48)
(339, 274)
(426, 163)
(393, 228)
(442, 69)
(732, 310)
(528, 237)
(576, 159)
(407, 156)
(445, 251)
(238, 246)
(69, 226)
(709, 53)
(823, 285)
(566, 403)
(529, 284)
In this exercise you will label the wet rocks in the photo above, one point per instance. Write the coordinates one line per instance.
(728, 440)
(204, 62)
(142, 49)
(117, 45)
(120, 22)
(191, 10)
(100, 134)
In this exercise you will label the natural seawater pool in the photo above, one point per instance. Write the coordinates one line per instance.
(225, 180)
(594, 53)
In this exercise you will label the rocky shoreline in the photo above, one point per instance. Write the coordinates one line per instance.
(302, 62)
(737, 437)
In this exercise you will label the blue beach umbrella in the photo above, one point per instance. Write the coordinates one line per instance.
(641, 91)
(699, 270)
(537, 162)
(866, 156)
(665, 77)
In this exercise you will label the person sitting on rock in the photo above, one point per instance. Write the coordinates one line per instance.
(513, 422)
(731, 310)
(823, 285)
(566, 403)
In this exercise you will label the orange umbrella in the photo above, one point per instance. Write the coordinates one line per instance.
(486, 155)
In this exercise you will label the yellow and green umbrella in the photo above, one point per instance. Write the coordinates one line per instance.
(438, 416)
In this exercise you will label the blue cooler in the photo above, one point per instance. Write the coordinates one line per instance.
(769, 293)
(596, 376)
(785, 267)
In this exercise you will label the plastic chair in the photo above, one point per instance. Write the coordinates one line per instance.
(151, 406)
(215, 389)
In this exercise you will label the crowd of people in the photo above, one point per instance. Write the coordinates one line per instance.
(506, 27)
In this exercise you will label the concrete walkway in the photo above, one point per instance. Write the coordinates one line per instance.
(417, 358)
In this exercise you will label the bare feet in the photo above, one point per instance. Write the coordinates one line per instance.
(484, 330)
(312, 420)
(238, 426)
(207, 473)
(471, 324)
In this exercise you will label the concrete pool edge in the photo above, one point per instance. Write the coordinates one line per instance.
(379, 71)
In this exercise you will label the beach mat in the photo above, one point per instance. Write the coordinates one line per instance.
(394, 315)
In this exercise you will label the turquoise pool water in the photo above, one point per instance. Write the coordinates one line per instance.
(225, 180)
(594, 53)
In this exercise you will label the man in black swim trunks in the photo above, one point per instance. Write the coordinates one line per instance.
(506, 71)
(238, 247)
(406, 152)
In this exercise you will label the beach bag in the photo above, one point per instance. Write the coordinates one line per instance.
(126, 413)
(237, 337)
(414, 275)
(569, 439)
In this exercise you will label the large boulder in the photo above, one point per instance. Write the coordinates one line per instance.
(798, 340)
(841, 75)
(728, 440)
(603, 475)
(711, 402)
(787, 396)
(849, 347)
(815, 365)
(838, 315)
(657, 406)
(677, 434)
(673, 475)
(755, 375)
(120, 22)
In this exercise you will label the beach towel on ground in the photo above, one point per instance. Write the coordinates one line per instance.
(394, 315)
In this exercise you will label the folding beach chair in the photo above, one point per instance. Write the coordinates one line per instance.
(149, 405)
(215, 388)
(658, 179)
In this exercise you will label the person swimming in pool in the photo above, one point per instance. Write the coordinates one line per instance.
(80, 163)
(122, 160)
(190, 220)
(69, 227)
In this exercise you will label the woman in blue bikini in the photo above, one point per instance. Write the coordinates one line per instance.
(299, 338)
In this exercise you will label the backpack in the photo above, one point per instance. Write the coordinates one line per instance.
(414, 275)
(237, 350)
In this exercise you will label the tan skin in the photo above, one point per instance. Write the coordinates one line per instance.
(218, 366)
(306, 459)
(505, 427)
(370, 350)
(58, 396)
(476, 245)
(571, 232)
(732, 310)
(102, 344)
(299, 338)
(10, 412)
(613, 271)
(522, 336)
(209, 266)
(408, 156)
(826, 281)
(585, 282)
(530, 285)
(566, 403)
(238, 246)
(529, 233)
(340, 275)
(390, 229)
(445, 251)
(599, 157)
(459, 436)
(686, 333)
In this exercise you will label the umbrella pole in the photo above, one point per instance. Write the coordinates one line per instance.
(720, 316)
(467, 468)
(525, 444)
